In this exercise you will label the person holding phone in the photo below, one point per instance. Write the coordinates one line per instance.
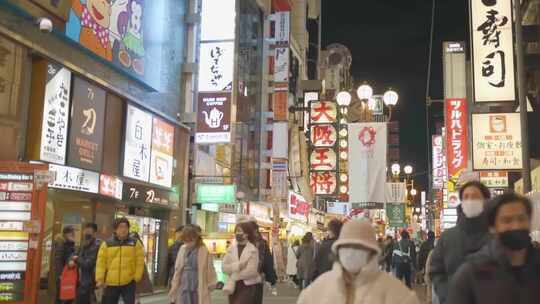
(194, 274)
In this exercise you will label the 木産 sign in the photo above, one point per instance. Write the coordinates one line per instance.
(137, 145)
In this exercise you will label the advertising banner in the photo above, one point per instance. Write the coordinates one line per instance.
(161, 163)
(281, 28)
(299, 209)
(110, 186)
(456, 137)
(497, 141)
(367, 162)
(216, 194)
(87, 124)
(279, 106)
(137, 144)
(493, 50)
(396, 215)
(54, 127)
(216, 66)
(75, 179)
(213, 118)
(396, 192)
(338, 208)
(149, 195)
(281, 67)
(494, 179)
(438, 161)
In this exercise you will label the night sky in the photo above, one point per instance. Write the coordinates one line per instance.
(389, 42)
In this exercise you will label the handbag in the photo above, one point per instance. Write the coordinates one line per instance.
(68, 283)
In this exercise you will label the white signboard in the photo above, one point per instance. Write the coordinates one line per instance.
(54, 127)
(10, 226)
(396, 192)
(493, 50)
(299, 209)
(497, 141)
(13, 266)
(13, 256)
(281, 67)
(216, 66)
(74, 179)
(15, 206)
(281, 21)
(137, 144)
(162, 161)
(338, 208)
(367, 162)
(13, 246)
(494, 179)
(14, 216)
(218, 20)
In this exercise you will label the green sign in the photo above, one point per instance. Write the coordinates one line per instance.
(396, 215)
(216, 194)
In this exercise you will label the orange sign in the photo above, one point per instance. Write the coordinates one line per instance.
(280, 106)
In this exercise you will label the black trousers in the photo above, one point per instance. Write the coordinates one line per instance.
(86, 297)
(113, 293)
(259, 291)
(404, 273)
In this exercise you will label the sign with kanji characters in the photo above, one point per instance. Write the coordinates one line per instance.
(213, 118)
(110, 186)
(493, 50)
(281, 25)
(281, 67)
(323, 159)
(323, 183)
(138, 142)
(497, 141)
(323, 135)
(438, 161)
(216, 66)
(323, 112)
(75, 179)
(494, 179)
(338, 208)
(298, 207)
(396, 192)
(54, 128)
(161, 162)
(279, 106)
(149, 195)
(368, 143)
(87, 124)
(456, 137)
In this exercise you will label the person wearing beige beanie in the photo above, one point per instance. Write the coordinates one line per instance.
(355, 277)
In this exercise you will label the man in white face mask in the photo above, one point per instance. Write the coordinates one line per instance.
(355, 277)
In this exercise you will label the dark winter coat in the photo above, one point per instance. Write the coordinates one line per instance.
(425, 249)
(406, 246)
(305, 264)
(488, 278)
(171, 258)
(324, 258)
(63, 251)
(87, 265)
(455, 244)
(266, 262)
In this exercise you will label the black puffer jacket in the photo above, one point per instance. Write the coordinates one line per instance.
(63, 251)
(455, 244)
(488, 278)
(324, 258)
(87, 265)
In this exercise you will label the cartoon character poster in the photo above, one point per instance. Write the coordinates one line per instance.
(112, 29)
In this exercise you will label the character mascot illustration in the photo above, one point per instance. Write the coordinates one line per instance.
(94, 16)
(132, 52)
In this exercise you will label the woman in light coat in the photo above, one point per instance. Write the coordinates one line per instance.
(356, 277)
(241, 263)
(194, 275)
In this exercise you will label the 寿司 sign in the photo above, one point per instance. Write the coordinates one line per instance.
(298, 207)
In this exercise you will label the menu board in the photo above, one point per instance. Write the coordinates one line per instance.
(16, 193)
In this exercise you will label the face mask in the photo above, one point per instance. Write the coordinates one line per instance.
(515, 239)
(88, 237)
(472, 208)
(240, 238)
(353, 260)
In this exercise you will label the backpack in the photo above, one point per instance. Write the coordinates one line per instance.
(402, 257)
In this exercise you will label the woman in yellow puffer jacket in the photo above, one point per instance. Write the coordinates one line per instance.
(120, 264)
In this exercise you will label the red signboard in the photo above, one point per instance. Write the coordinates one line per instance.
(298, 207)
(456, 136)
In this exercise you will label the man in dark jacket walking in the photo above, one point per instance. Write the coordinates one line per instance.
(324, 259)
(425, 249)
(404, 258)
(64, 248)
(86, 260)
(468, 237)
(173, 252)
(506, 270)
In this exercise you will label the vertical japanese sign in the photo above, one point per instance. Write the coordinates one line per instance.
(138, 139)
(497, 141)
(214, 118)
(367, 162)
(298, 207)
(438, 162)
(281, 22)
(281, 67)
(323, 138)
(493, 50)
(457, 137)
(216, 66)
(55, 114)
(161, 165)
(87, 124)
(396, 215)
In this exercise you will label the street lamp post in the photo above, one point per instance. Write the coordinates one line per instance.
(390, 99)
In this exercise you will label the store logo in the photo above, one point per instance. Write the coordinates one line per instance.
(214, 119)
(367, 137)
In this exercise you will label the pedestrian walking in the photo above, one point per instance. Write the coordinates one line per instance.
(194, 276)
(355, 277)
(426, 247)
(404, 257)
(292, 260)
(241, 263)
(86, 261)
(324, 258)
(388, 253)
(467, 237)
(266, 264)
(64, 249)
(431, 296)
(507, 269)
(173, 253)
(306, 255)
(144, 286)
(120, 265)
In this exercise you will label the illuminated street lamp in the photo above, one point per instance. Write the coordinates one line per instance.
(414, 192)
(364, 92)
(396, 169)
(344, 99)
(408, 169)
(390, 99)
